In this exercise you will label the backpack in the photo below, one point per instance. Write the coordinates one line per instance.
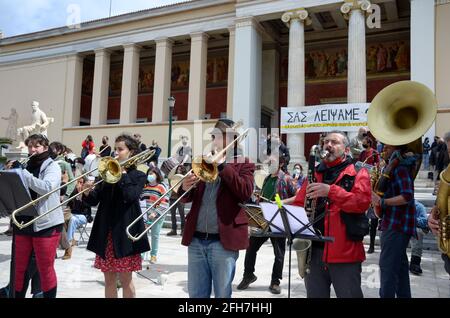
(356, 224)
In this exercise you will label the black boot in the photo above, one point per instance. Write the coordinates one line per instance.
(414, 265)
(51, 293)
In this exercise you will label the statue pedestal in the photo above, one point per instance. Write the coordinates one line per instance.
(15, 154)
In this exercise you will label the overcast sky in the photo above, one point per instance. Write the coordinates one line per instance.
(26, 16)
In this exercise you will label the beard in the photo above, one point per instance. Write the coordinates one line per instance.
(333, 155)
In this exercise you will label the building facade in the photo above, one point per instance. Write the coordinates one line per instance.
(241, 59)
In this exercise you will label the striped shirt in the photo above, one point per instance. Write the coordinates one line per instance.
(152, 193)
(400, 218)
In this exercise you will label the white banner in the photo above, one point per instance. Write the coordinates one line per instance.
(322, 118)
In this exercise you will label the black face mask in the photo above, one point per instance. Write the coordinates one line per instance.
(365, 146)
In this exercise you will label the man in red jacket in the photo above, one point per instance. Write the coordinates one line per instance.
(216, 228)
(339, 189)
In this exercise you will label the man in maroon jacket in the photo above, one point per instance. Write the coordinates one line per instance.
(216, 228)
(341, 193)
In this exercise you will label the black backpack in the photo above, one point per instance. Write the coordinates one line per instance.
(356, 224)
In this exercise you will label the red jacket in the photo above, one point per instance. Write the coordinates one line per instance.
(90, 146)
(342, 250)
(236, 187)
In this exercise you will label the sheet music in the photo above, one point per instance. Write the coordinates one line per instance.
(269, 210)
(19, 172)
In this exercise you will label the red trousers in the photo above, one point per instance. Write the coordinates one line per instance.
(45, 252)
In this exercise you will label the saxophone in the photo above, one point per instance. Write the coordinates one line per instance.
(444, 217)
(302, 246)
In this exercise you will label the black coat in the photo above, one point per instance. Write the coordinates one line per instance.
(119, 206)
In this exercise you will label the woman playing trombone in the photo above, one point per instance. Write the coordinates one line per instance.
(118, 206)
(41, 176)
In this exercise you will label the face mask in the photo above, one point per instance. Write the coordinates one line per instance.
(297, 171)
(365, 146)
(151, 178)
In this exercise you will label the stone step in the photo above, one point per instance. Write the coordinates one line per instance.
(423, 184)
(423, 190)
(423, 174)
(425, 198)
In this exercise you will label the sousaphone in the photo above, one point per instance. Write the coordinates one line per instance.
(401, 113)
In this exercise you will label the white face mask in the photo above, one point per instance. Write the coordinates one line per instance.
(297, 171)
(151, 178)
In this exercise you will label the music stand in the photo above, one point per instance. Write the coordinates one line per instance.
(286, 231)
(13, 196)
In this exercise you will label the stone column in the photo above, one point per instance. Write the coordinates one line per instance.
(247, 80)
(230, 81)
(423, 54)
(197, 76)
(100, 92)
(161, 88)
(74, 79)
(295, 21)
(356, 78)
(270, 80)
(130, 82)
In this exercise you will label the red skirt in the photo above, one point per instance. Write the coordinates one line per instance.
(131, 263)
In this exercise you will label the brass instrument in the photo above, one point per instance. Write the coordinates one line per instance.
(399, 115)
(206, 169)
(255, 216)
(110, 171)
(444, 217)
(25, 160)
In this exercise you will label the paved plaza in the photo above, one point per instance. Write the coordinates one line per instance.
(78, 279)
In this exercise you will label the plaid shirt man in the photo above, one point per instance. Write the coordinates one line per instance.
(400, 218)
(283, 186)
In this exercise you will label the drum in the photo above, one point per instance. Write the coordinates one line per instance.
(168, 165)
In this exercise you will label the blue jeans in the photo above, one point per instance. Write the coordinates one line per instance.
(426, 161)
(155, 236)
(394, 266)
(209, 262)
(75, 222)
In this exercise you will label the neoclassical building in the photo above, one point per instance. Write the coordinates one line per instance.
(241, 59)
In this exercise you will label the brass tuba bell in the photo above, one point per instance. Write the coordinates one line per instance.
(401, 113)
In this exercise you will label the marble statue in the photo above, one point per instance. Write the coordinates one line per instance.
(39, 124)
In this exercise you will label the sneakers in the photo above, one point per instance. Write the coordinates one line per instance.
(371, 250)
(172, 233)
(153, 259)
(246, 281)
(275, 288)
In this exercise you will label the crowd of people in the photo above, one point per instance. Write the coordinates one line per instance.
(345, 208)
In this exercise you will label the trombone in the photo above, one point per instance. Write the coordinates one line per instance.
(23, 161)
(110, 171)
(204, 170)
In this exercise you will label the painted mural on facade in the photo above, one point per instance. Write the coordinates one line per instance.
(332, 63)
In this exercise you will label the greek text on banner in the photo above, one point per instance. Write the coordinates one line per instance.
(322, 118)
